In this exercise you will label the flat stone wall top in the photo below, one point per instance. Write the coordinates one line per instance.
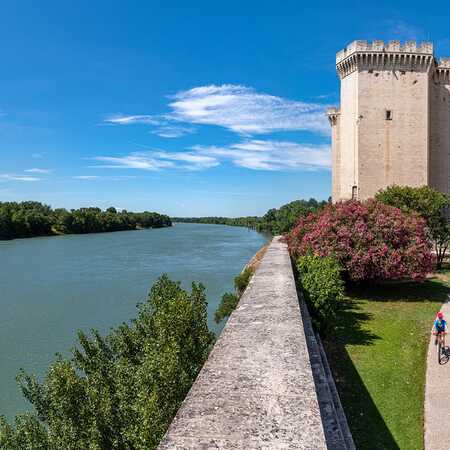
(256, 391)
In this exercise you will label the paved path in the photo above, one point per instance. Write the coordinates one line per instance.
(256, 391)
(437, 397)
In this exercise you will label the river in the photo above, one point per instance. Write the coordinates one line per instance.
(52, 286)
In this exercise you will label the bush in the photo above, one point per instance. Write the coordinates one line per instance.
(320, 281)
(371, 240)
(229, 301)
(242, 280)
(226, 307)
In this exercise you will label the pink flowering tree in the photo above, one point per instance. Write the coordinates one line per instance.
(371, 240)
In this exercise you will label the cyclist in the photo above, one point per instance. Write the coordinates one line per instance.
(440, 329)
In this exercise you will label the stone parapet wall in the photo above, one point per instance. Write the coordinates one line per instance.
(257, 389)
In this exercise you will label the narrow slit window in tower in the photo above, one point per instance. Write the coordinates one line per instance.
(388, 114)
(354, 192)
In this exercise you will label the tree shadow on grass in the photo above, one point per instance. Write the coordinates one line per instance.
(367, 426)
(430, 289)
(349, 326)
(366, 423)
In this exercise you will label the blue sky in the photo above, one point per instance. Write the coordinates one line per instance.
(186, 108)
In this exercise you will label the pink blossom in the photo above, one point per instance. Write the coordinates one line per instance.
(370, 239)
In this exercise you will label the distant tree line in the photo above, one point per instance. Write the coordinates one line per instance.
(30, 219)
(250, 221)
(275, 221)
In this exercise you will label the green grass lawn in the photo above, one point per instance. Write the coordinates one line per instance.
(378, 357)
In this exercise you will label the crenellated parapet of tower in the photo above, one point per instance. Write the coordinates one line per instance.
(442, 71)
(361, 55)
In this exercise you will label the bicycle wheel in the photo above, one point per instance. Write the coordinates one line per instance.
(444, 355)
(439, 347)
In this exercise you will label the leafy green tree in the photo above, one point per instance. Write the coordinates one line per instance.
(121, 391)
(282, 220)
(28, 219)
(24, 219)
(430, 204)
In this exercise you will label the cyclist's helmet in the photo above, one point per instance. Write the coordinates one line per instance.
(440, 315)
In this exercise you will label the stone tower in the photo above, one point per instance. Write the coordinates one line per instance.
(393, 124)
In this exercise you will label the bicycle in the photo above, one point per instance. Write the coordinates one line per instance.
(443, 356)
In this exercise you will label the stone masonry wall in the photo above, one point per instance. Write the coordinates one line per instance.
(440, 132)
(394, 119)
(392, 151)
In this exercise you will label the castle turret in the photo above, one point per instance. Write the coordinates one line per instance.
(388, 129)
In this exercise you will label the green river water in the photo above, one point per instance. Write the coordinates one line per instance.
(52, 286)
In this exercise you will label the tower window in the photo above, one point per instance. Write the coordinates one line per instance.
(354, 192)
(388, 114)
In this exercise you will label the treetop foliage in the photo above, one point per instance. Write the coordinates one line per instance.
(283, 219)
(29, 219)
(426, 201)
(120, 391)
(430, 204)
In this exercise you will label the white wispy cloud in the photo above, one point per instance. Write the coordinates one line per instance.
(37, 170)
(37, 155)
(15, 177)
(272, 155)
(163, 126)
(120, 119)
(240, 109)
(157, 160)
(104, 178)
(140, 161)
(191, 159)
(250, 154)
(173, 131)
(243, 110)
